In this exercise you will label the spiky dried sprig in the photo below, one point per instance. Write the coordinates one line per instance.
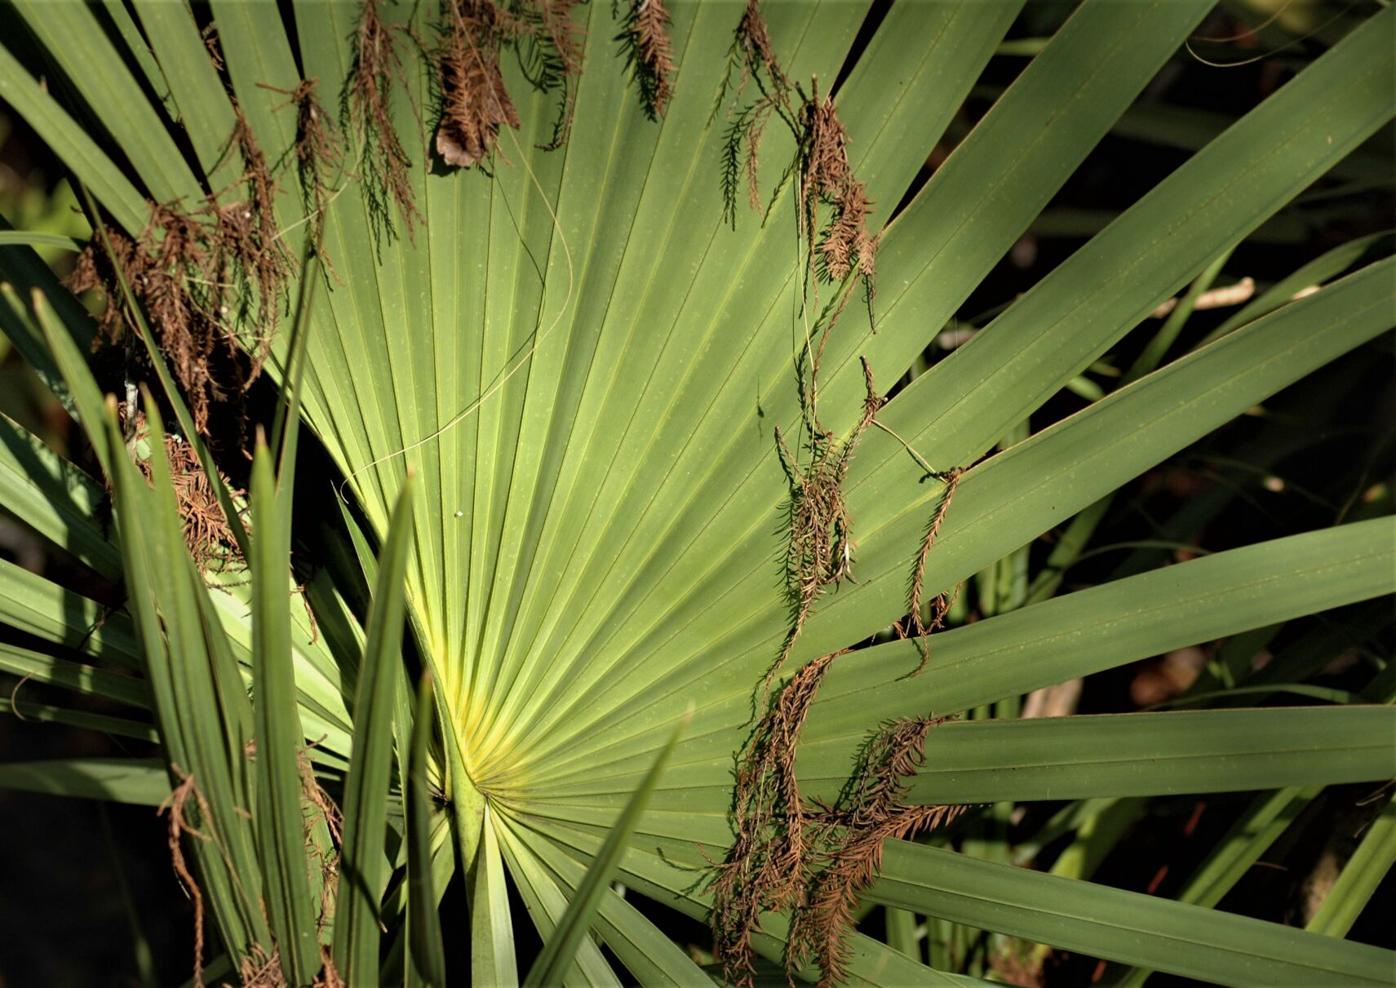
(764, 870)
(649, 56)
(318, 153)
(921, 629)
(850, 837)
(211, 280)
(549, 47)
(474, 101)
(366, 113)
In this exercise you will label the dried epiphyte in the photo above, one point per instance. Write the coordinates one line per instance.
(790, 854)
(823, 176)
(318, 151)
(850, 838)
(212, 281)
(248, 249)
(764, 870)
(649, 56)
(844, 246)
(175, 806)
(550, 56)
(922, 629)
(751, 60)
(207, 535)
(366, 111)
(474, 103)
(819, 541)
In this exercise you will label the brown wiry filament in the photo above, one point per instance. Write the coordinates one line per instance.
(174, 806)
(474, 103)
(921, 629)
(262, 970)
(366, 106)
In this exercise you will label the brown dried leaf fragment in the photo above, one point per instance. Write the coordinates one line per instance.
(366, 112)
(649, 55)
(474, 102)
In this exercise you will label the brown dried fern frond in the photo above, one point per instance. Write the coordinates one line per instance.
(649, 55)
(764, 870)
(366, 113)
(474, 102)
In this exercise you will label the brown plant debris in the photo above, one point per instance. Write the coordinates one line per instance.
(365, 110)
(175, 807)
(318, 150)
(819, 541)
(207, 535)
(921, 630)
(810, 860)
(649, 56)
(824, 177)
(262, 970)
(474, 103)
(765, 868)
(211, 280)
(851, 836)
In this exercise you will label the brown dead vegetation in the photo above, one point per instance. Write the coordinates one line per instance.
(211, 281)
(207, 534)
(319, 152)
(824, 177)
(810, 860)
(648, 53)
(366, 111)
(175, 807)
(474, 102)
(819, 542)
(922, 629)
(850, 839)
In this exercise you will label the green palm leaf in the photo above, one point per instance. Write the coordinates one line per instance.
(578, 360)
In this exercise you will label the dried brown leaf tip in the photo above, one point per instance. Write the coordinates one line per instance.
(366, 113)
(474, 102)
(649, 56)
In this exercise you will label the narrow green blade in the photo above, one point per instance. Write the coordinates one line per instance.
(1123, 926)
(364, 873)
(558, 951)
